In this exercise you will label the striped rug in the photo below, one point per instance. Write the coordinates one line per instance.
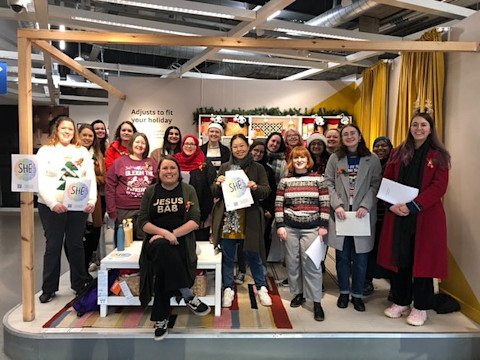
(245, 313)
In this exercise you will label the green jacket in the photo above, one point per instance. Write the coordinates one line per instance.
(146, 266)
(255, 220)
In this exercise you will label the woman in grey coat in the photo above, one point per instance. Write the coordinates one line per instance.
(353, 176)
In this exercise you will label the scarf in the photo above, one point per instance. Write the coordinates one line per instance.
(242, 163)
(275, 160)
(405, 226)
(190, 162)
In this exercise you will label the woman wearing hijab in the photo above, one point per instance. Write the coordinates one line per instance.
(413, 243)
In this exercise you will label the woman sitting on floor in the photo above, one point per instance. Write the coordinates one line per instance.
(169, 214)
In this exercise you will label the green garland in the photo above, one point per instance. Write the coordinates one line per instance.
(266, 111)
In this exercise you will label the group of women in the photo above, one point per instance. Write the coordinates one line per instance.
(306, 188)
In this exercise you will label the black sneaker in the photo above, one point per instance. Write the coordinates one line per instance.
(198, 307)
(297, 301)
(46, 297)
(368, 288)
(161, 329)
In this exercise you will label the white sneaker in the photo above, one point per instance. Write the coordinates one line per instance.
(228, 295)
(417, 317)
(395, 311)
(265, 299)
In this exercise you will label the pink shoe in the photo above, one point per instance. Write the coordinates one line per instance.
(395, 311)
(417, 317)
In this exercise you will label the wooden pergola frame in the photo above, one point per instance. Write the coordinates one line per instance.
(41, 38)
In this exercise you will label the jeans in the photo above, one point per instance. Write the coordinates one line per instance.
(66, 228)
(229, 247)
(348, 260)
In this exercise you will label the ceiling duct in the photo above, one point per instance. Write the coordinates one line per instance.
(340, 15)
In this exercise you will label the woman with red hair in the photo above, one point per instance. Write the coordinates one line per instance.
(302, 212)
(292, 139)
(202, 173)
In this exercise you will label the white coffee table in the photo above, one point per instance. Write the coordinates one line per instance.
(209, 259)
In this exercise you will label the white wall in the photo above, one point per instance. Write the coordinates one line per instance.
(462, 135)
(392, 98)
(172, 101)
(88, 113)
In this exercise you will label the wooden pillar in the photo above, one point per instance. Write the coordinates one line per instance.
(26, 198)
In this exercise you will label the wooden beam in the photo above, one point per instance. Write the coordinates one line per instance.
(248, 43)
(25, 125)
(72, 64)
(41, 13)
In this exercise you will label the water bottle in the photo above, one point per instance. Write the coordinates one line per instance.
(120, 238)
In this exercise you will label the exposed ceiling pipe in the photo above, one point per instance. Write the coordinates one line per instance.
(340, 15)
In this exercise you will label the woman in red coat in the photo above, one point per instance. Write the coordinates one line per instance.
(413, 243)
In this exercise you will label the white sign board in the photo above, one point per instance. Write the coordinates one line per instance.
(24, 173)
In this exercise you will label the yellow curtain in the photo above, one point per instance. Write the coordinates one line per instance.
(373, 118)
(422, 78)
(363, 121)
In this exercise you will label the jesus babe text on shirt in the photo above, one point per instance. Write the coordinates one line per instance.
(168, 205)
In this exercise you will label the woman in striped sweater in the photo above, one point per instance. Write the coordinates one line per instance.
(302, 211)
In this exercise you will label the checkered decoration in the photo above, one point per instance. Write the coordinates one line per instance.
(267, 127)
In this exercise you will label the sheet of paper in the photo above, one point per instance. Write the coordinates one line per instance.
(353, 226)
(395, 193)
(236, 194)
(316, 251)
(76, 193)
(24, 173)
(185, 176)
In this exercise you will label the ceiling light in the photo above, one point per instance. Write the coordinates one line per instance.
(266, 63)
(61, 43)
(316, 34)
(274, 15)
(131, 26)
(170, 8)
(302, 74)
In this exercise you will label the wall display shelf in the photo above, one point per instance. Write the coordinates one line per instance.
(261, 126)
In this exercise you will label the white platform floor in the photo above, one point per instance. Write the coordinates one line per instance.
(338, 321)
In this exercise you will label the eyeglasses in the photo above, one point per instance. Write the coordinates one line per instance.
(189, 144)
(316, 144)
(256, 151)
(292, 136)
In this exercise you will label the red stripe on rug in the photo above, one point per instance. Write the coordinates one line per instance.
(279, 313)
(58, 314)
(83, 319)
(133, 319)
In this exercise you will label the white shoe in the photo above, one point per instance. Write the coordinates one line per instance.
(265, 299)
(228, 295)
(395, 311)
(417, 317)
